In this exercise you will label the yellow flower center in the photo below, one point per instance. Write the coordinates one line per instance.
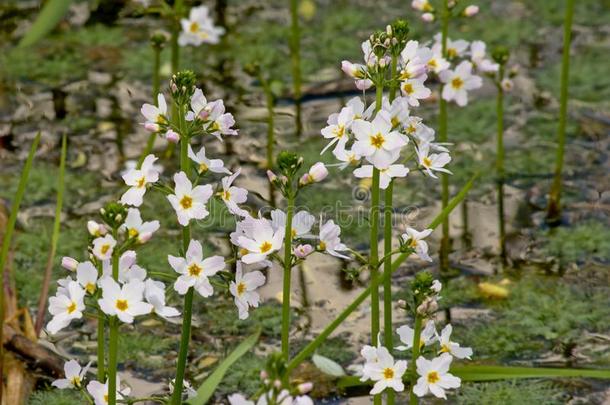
(377, 140)
(105, 248)
(395, 122)
(451, 53)
(388, 373)
(339, 131)
(141, 182)
(457, 83)
(426, 162)
(241, 288)
(194, 270)
(72, 307)
(445, 349)
(186, 202)
(322, 245)
(293, 232)
(407, 88)
(203, 167)
(106, 398)
(194, 27)
(90, 287)
(133, 232)
(433, 377)
(404, 75)
(75, 381)
(411, 129)
(432, 63)
(226, 195)
(265, 247)
(427, 7)
(122, 305)
(243, 251)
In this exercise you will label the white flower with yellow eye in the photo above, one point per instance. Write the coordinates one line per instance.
(385, 175)
(99, 391)
(156, 115)
(65, 306)
(124, 302)
(426, 338)
(415, 240)
(302, 222)
(199, 28)
(330, 241)
(189, 202)
(244, 290)
(435, 376)
(384, 371)
(138, 180)
(434, 162)
(136, 228)
(204, 164)
(86, 275)
(262, 240)
(337, 129)
(376, 140)
(453, 348)
(103, 247)
(232, 195)
(154, 293)
(74, 375)
(194, 270)
(458, 82)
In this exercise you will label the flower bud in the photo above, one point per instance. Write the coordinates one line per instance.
(427, 17)
(271, 176)
(436, 286)
(318, 172)
(264, 375)
(69, 263)
(172, 136)
(402, 303)
(349, 68)
(152, 127)
(158, 39)
(96, 229)
(471, 10)
(429, 306)
(421, 5)
(277, 384)
(302, 251)
(507, 85)
(304, 388)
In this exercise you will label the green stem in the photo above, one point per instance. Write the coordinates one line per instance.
(295, 57)
(156, 85)
(554, 208)
(175, 34)
(113, 339)
(6, 242)
(414, 356)
(442, 137)
(500, 165)
(287, 274)
(101, 367)
(188, 297)
(330, 328)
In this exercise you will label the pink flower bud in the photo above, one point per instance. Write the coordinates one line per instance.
(349, 68)
(402, 303)
(172, 136)
(277, 384)
(304, 388)
(427, 17)
(318, 172)
(471, 10)
(264, 375)
(96, 229)
(305, 179)
(69, 263)
(151, 127)
(302, 251)
(271, 176)
(364, 84)
(507, 84)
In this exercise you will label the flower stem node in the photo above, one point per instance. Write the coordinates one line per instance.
(289, 163)
(500, 55)
(114, 214)
(182, 87)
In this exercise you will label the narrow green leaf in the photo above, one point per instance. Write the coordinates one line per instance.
(206, 390)
(50, 15)
(473, 373)
(328, 366)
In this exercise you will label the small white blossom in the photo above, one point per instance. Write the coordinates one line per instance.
(453, 348)
(261, 240)
(86, 275)
(435, 376)
(385, 175)
(458, 82)
(414, 90)
(74, 375)
(426, 338)
(204, 164)
(154, 293)
(415, 240)
(302, 251)
(377, 141)
(432, 162)
(315, 174)
(232, 195)
(221, 122)
(138, 179)
(96, 229)
(302, 222)
(244, 290)
(338, 128)
(99, 391)
(125, 302)
(194, 270)
(65, 306)
(136, 228)
(189, 202)
(384, 371)
(480, 62)
(199, 28)
(103, 247)
(156, 116)
(330, 242)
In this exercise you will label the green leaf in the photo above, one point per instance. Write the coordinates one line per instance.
(491, 373)
(51, 14)
(328, 366)
(206, 390)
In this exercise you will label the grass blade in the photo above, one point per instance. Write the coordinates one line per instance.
(52, 12)
(8, 235)
(42, 301)
(206, 390)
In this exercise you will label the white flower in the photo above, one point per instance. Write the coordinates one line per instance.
(415, 240)
(96, 229)
(376, 141)
(455, 48)
(194, 270)
(316, 174)
(128, 269)
(422, 5)
(99, 391)
(426, 338)
(427, 17)
(233, 195)
(507, 84)
(414, 90)
(458, 82)
(453, 348)
(398, 111)
(330, 241)
(385, 175)
(136, 228)
(65, 306)
(302, 251)
(205, 164)
(432, 162)
(137, 180)
(477, 56)
(358, 72)
(199, 28)
(124, 302)
(435, 376)
(414, 60)
(384, 371)
(74, 375)
(155, 116)
(337, 128)
(69, 263)
(437, 62)
(244, 290)
(436, 286)
(471, 10)
(221, 121)
(103, 247)
(86, 275)
(261, 241)
(239, 399)
(154, 292)
(199, 107)
(302, 222)
(348, 157)
(189, 202)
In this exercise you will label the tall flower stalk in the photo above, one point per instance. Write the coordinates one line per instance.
(113, 337)
(295, 58)
(554, 205)
(287, 276)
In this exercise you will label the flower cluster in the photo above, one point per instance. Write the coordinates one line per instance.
(430, 13)
(381, 368)
(199, 28)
